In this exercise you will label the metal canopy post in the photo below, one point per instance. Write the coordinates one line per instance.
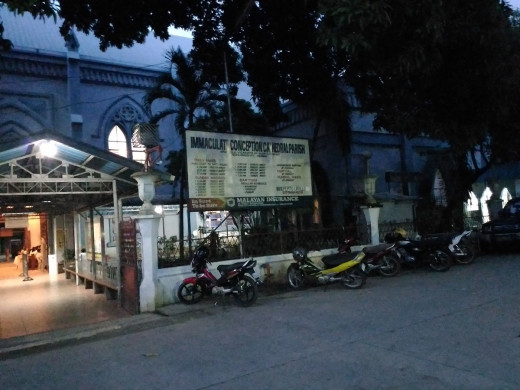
(92, 241)
(117, 219)
(77, 243)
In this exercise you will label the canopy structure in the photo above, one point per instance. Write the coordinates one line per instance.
(47, 172)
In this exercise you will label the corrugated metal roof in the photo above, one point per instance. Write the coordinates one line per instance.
(78, 176)
(43, 36)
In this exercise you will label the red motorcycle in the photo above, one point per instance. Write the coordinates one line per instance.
(237, 279)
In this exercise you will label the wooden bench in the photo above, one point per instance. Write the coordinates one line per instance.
(99, 286)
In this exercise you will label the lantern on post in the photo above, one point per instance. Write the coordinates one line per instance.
(147, 135)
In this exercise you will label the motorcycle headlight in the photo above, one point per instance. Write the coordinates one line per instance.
(299, 254)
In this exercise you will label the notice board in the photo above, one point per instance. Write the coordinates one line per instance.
(244, 172)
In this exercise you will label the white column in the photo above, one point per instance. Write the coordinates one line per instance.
(148, 222)
(148, 227)
(77, 244)
(53, 258)
(372, 217)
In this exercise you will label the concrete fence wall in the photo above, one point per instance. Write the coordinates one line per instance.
(272, 269)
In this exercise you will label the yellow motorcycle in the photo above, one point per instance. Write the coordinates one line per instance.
(351, 272)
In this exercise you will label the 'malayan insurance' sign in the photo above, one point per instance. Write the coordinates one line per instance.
(243, 172)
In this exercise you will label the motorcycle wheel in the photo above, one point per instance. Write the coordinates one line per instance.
(190, 293)
(246, 291)
(440, 261)
(465, 255)
(354, 278)
(295, 276)
(390, 266)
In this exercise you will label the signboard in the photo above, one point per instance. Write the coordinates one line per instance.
(242, 172)
(17, 221)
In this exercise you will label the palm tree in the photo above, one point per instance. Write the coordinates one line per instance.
(189, 95)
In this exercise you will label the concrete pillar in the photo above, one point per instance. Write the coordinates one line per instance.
(372, 217)
(148, 227)
(148, 222)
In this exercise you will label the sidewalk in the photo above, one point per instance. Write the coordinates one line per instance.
(162, 316)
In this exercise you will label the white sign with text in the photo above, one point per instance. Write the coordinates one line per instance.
(234, 171)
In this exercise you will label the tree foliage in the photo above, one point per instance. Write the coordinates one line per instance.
(245, 120)
(445, 69)
(448, 70)
(187, 87)
(188, 93)
(5, 44)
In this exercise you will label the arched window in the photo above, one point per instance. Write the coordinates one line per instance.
(472, 202)
(117, 142)
(486, 195)
(505, 196)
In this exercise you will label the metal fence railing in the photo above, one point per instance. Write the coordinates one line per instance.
(228, 246)
(253, 245)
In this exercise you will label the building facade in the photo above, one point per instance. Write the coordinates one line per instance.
(392, 167)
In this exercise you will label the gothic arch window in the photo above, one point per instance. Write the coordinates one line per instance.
(117, 141)
(118, 122)
(472, 202)
(117, 144)
(486, 195)
(505, 196)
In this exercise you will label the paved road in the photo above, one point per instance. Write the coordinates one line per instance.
(421, 330)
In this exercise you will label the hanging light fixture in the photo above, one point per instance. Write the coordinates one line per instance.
(48, 149)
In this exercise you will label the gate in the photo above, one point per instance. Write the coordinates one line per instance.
(129, 266)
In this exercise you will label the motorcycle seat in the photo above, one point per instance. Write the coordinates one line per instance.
(440, 236)
(223, 268)
(375, 248)
(335, 259)
(430, 242)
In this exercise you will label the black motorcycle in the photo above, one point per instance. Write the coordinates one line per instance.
(431, 252)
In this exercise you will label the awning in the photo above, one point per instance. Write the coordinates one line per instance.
(48, 172)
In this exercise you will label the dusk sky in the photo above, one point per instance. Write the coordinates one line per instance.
(514, 3)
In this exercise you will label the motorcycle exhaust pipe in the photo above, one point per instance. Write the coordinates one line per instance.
(328, 279)
(323, 279)
(220, 290)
